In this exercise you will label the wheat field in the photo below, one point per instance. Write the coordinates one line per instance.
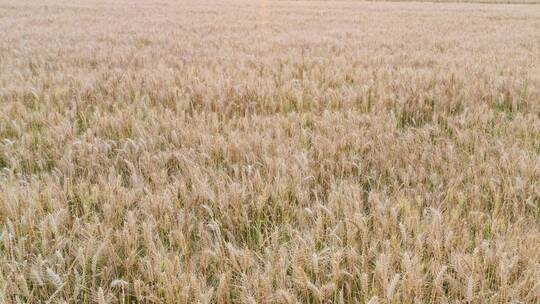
(269, 152)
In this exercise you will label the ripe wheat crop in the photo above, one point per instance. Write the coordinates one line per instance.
(269, 152)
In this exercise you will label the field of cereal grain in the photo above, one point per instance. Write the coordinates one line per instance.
(269, 152)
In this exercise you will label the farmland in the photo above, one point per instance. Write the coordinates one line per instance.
(269, 152)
